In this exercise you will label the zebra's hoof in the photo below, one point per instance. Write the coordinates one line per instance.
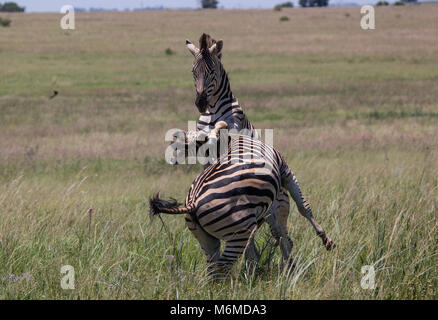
(291, 266)
(329, 244)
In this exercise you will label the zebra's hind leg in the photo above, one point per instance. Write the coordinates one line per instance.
(304, 209)
(277, 220)
(252, 255)
(282, 213)
(280, 234)
(235, 246)
(209, 244)
(251, 252)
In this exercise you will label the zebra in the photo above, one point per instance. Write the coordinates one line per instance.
(232, 197)
(214, 98)
(216, 102)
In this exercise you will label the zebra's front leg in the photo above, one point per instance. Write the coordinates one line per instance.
(185, 145)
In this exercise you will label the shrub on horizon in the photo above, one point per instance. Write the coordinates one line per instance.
(5, 22)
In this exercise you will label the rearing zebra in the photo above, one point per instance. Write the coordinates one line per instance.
(233, 196)
(214, 98)
(216, 102)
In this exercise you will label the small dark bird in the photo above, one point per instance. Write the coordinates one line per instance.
(55, 93)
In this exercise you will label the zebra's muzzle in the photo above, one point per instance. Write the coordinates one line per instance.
(201, 102)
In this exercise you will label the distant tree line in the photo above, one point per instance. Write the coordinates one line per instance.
(11, 7)
(397, 3)
(313, 3)
(284, 5)
(209, 4)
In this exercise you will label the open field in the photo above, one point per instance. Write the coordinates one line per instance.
(354, 112)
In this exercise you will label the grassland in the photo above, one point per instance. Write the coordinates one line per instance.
(354, 112)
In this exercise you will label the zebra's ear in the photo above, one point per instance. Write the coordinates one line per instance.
(216, 49)
(191, 47)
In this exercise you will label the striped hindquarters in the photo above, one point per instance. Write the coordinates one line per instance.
(235, 193)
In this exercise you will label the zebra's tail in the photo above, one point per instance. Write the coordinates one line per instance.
(157, 206)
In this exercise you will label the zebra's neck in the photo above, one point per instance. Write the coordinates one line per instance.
(226, 111)
(223, 97)
(225, 107)
(221, 104)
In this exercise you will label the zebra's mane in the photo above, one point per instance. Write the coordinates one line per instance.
(205, 42)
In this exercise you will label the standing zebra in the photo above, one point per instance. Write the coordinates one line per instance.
(216, 102)
(233, 196)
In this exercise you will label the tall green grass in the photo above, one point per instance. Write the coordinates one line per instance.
(379, 207)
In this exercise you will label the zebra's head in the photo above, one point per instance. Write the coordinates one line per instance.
(206, 69)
